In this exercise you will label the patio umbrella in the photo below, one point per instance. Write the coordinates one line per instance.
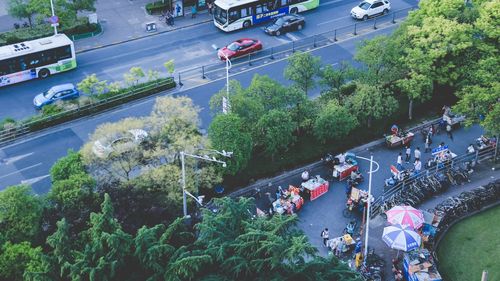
(401, 237)
(405, 215)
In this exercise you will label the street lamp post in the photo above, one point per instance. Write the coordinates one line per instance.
(183, 166)
(227, 106)
(53, 16)
(368, 205)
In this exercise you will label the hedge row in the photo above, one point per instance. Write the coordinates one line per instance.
(157, 7)
(53, 116)
(81, 26)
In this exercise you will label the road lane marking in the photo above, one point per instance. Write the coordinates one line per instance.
(292, 37)
(330, 21)
(20, 170)
(34, 180)
(11, 160)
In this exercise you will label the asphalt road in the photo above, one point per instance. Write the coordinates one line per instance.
(190, 47)
(29, 160)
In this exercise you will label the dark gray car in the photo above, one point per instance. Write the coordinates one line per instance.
(285, 24)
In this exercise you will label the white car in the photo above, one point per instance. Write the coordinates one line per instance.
(370, 8)
(104, 147)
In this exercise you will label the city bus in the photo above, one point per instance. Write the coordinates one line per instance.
(232, 15)
(38, 58)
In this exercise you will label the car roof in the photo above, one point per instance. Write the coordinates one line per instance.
(63, 87)
(244, 40)
(372, 1)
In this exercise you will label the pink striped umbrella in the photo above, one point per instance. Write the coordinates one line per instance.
(406, 216)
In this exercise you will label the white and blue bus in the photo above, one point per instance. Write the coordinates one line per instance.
(38, 58)
(232, 15)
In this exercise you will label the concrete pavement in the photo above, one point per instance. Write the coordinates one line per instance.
(327, 211)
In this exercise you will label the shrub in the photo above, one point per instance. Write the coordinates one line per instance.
(157, 7)
(7, 123)
(51, 109)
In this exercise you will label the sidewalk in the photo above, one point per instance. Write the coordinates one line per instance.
(326, 211)
(121, 21)
(124, 20)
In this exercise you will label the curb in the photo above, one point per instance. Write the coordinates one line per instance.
(137, 38)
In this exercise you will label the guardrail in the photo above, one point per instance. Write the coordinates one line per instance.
(217, 70)
(480, 155)
(96, 106)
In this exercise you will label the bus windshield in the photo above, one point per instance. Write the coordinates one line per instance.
(220, 15)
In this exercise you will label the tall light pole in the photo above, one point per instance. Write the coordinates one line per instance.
(227, 106)
(54, 24)
(368, 205)
(183, 166)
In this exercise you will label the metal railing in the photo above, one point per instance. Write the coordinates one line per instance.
(217, 70)
(478, 157)
(94, 107)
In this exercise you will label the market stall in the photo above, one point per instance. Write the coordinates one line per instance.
(398, 137)
(344, 243)
(289, 202)
(345, 165)
(419, 265)
(357, 199)
(315, 187)
(442, 155)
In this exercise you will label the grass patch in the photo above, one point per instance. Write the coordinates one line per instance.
(471, 246)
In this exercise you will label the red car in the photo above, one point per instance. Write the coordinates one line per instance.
(239, 48)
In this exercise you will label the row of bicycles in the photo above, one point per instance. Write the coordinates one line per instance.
(425, 187)
(466, 202)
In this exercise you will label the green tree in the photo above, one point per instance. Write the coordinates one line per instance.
(242, 247)
(157, 247)
(20, 9)
(334, 122)
(333, 79)
(92, 86)
(105, 252)
(20, 214)
(66, 166)
(62, 247)
(169, 66)
(302, 69)
(18, 259)
(62, 8)
(371, 103)
(275, 131)
(227, 132)
(134, 75)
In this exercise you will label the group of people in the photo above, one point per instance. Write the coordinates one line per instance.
(417, 164)
(342, 244)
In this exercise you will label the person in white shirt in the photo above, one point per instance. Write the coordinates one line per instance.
(342, 158)
(470, 149)
(418, 166)
(305, 176)
(408, 154)
(400, 161)
(417, 153)
(325, 235)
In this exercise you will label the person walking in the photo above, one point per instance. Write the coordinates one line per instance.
(448, 131)
(400, 161)
(210, 7)
(193, 11)
(417, 166)
(325, 235)
(417, 153)
(408, 154)
(427, 144)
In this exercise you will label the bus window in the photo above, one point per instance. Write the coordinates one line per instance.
(234, 16)
(245, 13)
(63, 52)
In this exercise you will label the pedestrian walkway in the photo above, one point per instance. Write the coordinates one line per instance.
(124, 20)
(327, 211)
(121, 21)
